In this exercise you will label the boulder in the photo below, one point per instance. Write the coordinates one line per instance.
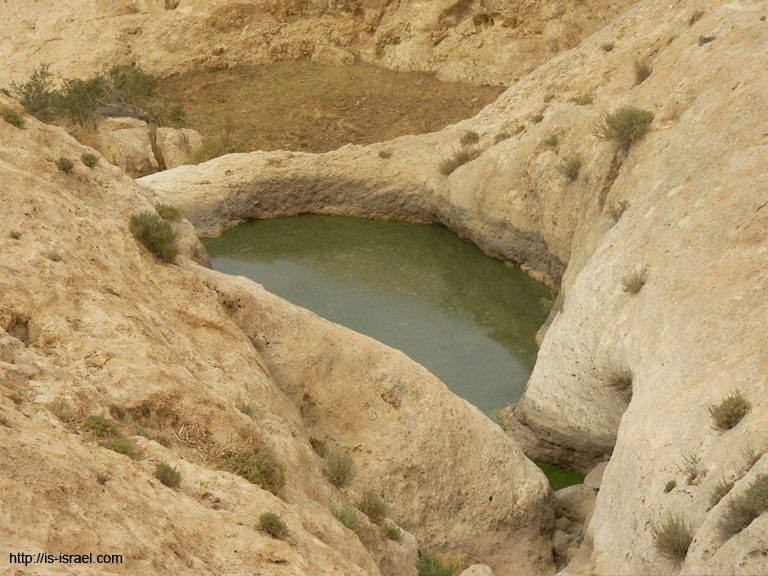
(575, 502)
(177, 147)
(127, 143)
(477, 570)
(595, 476)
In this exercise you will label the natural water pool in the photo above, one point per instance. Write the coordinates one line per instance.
(469, 319)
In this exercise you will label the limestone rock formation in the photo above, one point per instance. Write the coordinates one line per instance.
(177, 147)
(178, 364)
(127, 143)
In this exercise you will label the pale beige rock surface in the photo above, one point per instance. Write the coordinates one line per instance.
(105, 329)
(127, 143)
(695, 186)
(177, 147)
(477, 570)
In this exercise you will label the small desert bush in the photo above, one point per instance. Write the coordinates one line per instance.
(551, 141)
(730, 411)
(247, 408)
(672, 537)
(690, 465)
(10, 116)
(634, 282)
(100, 426)
(642, 71)
(120, 445)
(441, 565)
(537, 118)
(669, 486)
(624, 126)
(15, 234)
(37, 94)
(168, 212)
(621, 380)
(372, 506)
(273, 525)
(469, 137)
(743, 509)
(391, 531)
(53, 256)
(89, 159)
(501, 136)
(348, 516)
(722, 488)
(168, 475)
(65, 164)
(583, 99)
(341, 469)
(259, 466)
(319, 446)
(617, 209)
(459, 158)
(155, 234)
(607, 46)
(571, 168)
(749, 457)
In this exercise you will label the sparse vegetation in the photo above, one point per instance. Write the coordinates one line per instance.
(64, 411)
(607, 46)
(634, 282)
(469, 137)
(273, 525)
(617, 209)
(120, 445)
(500, 137)
(642, 71)
(459, 158)
(690, 465)
(100, 426)
(247, 408)
(571, 168)
(624, 126)
(168, 475)
(348, 516)
(102, 478)
(730, 411)
(53, 256)
(669, 486)
(341, 469)
(559, 477)
(168, 212)
(15, 234)
(391, 531)
(89, 159)
(722, 488)
(385, 154)
(743, 509)
(372, 506)
(5, 91)
(139, 430)
(552, 141)
(441, 565)
(705, 40)
(319, 446)
(537, 118)
(11, 116)
(583, 99)
(155, 234)
(259, 466)
(749, 457)
(64, 164)
(672, 537)
(621, 380)
(695, 17)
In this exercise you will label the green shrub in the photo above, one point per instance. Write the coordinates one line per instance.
(77, 98)
(537, 118)
(168, 475)
(372, 506)
(120, 445)
(583, 99)
(155, 234)
(552, 140)
(11, 116)
(501, 136)
(690, 466)
(607, 46)
(65, 164)
(101, 427)
(624, 126)
(348, 516)
(247, 409)
(341, 469)
(669, 486)
(259, 466)
(469, 137)
(730, 411)
(37, 94)
(743, 509)
(391, 531)
(672, 537)
(168, 212)
(571, 168)
(722, 488)
(428, 565)
(319, 446)
(89, 159)
(273, 525)
(642, 71)
(459, 158)
(5, 91)
(634, 282)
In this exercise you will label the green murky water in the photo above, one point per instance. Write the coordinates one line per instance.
(469, 319)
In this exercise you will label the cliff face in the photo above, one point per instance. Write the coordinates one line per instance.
(685, 204)
(491, 41)
(190, 367)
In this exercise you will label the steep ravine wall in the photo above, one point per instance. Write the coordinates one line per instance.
(696, 190)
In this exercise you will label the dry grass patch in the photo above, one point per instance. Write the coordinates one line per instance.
(459, 158)
(634, 282)
(340, 467)
(730, 411)
(168, 475)
(624, 126)
(743, 509)
(258, 465)
(273, 525)
(672, 537)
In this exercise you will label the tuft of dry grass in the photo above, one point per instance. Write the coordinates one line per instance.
(459, 158)
(642, 71)
(624, 126)
(730, 411)
(672, 537)
(634, 282)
